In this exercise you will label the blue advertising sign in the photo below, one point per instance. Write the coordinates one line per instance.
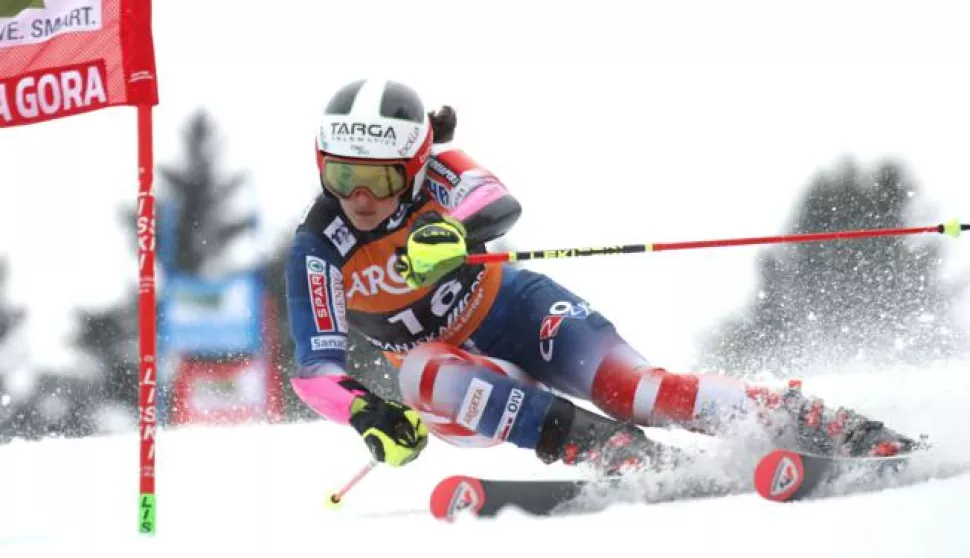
(167, 231)
(206, 316)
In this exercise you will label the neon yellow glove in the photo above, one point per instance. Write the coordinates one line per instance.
(394, 433)
(435, 247)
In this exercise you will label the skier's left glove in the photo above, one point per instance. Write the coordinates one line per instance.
(435, 247)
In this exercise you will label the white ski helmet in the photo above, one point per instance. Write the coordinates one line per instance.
(377, 135)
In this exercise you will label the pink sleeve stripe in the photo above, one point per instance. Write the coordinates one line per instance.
(478, 198)
(326, 396)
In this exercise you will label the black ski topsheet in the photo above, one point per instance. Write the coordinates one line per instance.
(487, 497)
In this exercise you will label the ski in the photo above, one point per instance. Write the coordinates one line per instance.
(786, 475)
(481, 497)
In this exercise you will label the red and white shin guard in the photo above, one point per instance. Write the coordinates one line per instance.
(628, 388)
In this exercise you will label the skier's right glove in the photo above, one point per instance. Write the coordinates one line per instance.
(394, 433)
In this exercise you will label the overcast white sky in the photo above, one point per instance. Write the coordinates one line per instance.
(613, 121)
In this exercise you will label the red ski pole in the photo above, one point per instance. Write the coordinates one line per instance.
(335, 499)
(952, 228)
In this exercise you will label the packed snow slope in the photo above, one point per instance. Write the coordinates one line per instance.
(256, 490)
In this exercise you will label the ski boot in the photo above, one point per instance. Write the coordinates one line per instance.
(818, 429)
(576, 436)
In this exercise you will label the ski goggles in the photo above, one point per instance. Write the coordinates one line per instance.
(381, 179)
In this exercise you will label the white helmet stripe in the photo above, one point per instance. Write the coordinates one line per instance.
(368, 101)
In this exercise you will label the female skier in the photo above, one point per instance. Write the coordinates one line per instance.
(477, 347)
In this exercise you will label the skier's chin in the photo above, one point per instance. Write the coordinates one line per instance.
(364, 220)
(367, 214)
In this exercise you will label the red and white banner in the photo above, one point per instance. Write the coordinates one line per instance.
(225, 392)
(59, 58)
(64, 57)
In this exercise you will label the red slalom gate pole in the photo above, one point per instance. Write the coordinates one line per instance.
(952, 228)
(147, 368)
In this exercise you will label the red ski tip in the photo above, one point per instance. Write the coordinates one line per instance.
(779, 475)
(456, 494)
